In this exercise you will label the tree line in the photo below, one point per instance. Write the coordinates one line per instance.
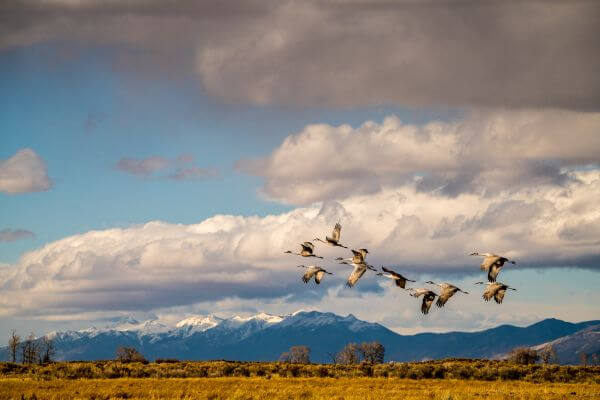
(352, 353)
(30, 350)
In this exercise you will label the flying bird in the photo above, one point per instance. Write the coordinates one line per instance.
(428, 298)
(334, 240)
(313, 270)
(358, 272)
(495, 290)
(358, 257)
(448, 291)
(492, 263)
(307, 250)
(398, 279)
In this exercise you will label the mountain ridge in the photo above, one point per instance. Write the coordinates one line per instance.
(263, 337)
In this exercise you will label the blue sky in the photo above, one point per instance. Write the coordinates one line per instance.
(424, 155)
(81, 117)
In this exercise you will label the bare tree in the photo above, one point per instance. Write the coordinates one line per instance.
(296, 354)
(47, 350)
(13, 345)
(129, 354)
(523, 355)
(349, 354)
(548, 355)
(300, 354)
(595, 358)
(30, 350)
(583, 357)
(372, 352)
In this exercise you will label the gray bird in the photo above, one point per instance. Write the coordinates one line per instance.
(447, 291)
(359, 256)
(398, 278)
(307, 250)
(313, 270)
(334, 240)
(495, 290)
(492, 263)
(428, 298)
(357, 272)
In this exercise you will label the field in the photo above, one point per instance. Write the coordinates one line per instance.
(449, 379)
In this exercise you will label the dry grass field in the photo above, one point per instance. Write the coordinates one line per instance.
(446, 379)
(289, 388)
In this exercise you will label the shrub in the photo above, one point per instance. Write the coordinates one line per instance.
(524, 355)
(130, 354)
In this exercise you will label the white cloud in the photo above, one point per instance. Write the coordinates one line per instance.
(24, 172)
(159, 265)
(177, 169)
(485, 153)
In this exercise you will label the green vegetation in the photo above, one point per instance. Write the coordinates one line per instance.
(443, 369)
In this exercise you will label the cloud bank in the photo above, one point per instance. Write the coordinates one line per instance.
(159, 265)
(340, 53)
(485, 154)
(23, 173)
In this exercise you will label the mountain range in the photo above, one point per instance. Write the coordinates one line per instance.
(263, 337)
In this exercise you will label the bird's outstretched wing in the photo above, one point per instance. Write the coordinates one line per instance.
(310, 271)
(400, 282)
(499, 296)
(319, 276)
(355, 275)
(489, 292)
(335, 235)
(493, 272)
(447, 292)
(427, 302)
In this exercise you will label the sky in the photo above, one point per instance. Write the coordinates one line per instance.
(157, 158)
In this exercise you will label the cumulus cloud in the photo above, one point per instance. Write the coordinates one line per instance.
(345, 52)
(159, 265)
(177, 169)
(484, 153)
(10, 235)
(24, 172)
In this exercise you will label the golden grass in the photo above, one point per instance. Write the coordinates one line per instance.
(289, 388)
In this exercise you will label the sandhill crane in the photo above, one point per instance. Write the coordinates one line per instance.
(313, 270)
(359, 270)
(359, 256)
(448, 291)
(495, 290)
(398, 279)
(492, 263)
(334, 240)
(307, 250)
(428, 297)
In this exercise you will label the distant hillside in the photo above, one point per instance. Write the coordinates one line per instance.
(264, 337)
(569, 347)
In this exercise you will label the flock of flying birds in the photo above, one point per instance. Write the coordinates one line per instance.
(492, 263)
